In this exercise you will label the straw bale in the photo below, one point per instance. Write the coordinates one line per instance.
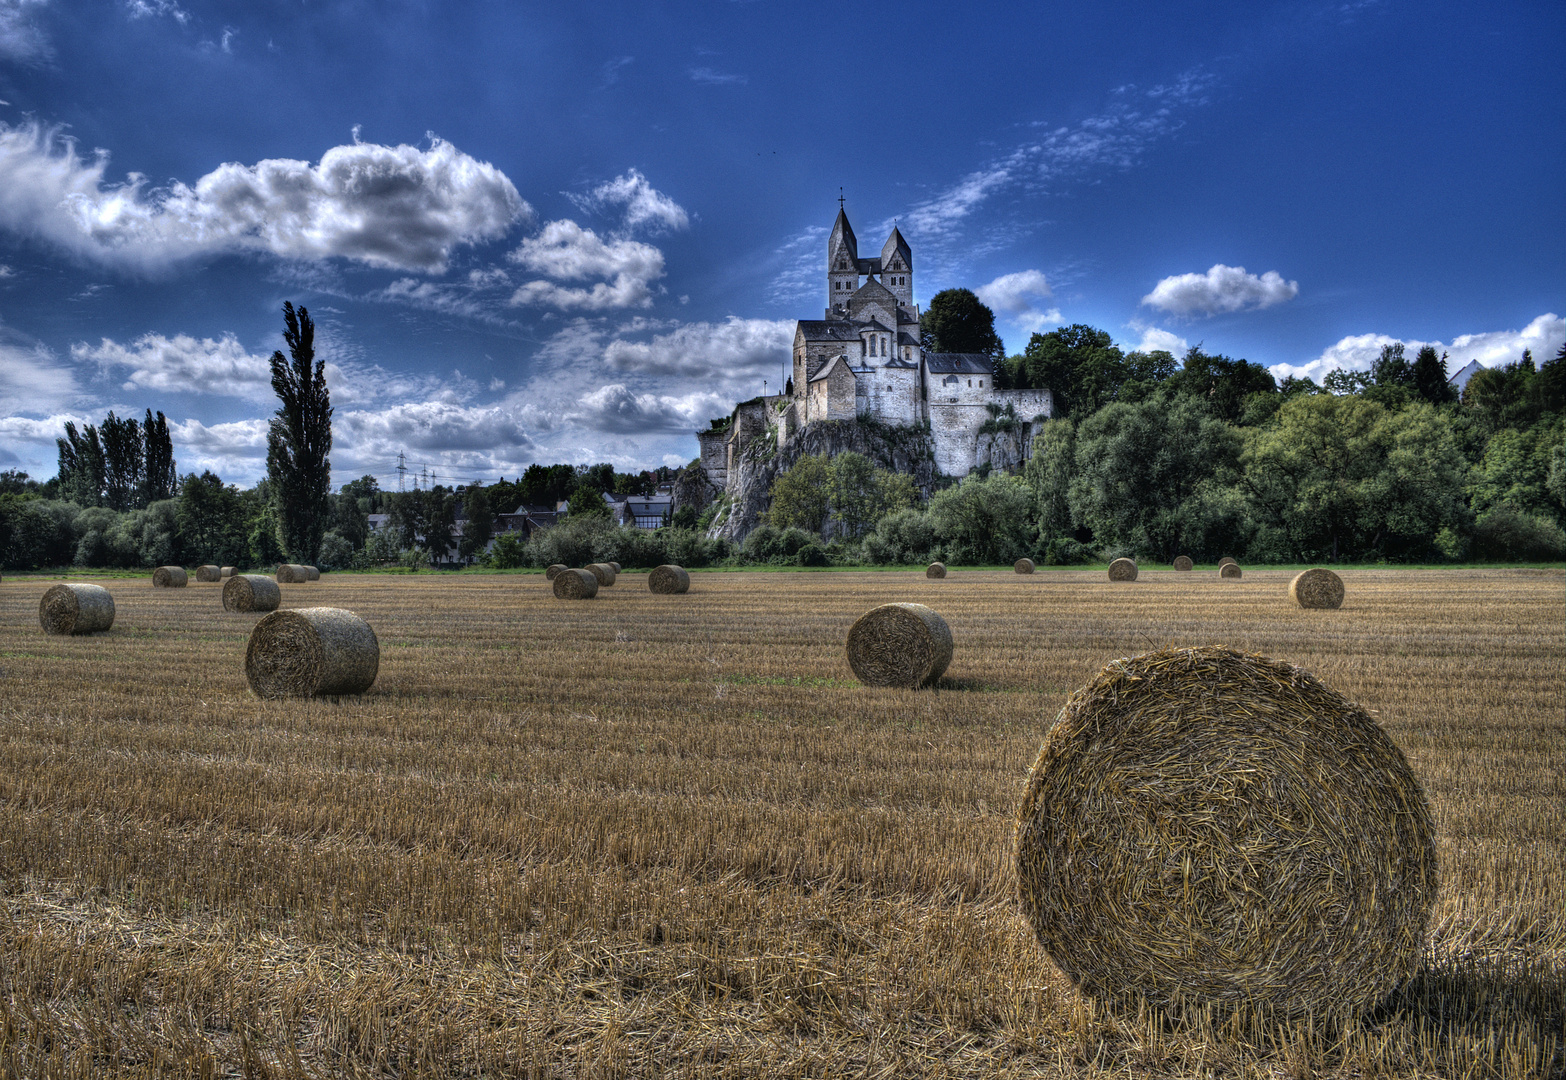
(170, 577)
(554, 571)
(228, 571)
(1226, 560)
(935, 570)
(1122, 570)
(1210, 827)
(1183, 562)
(251, 592)
(669, 579)
(576, 585)
(1229, 570)
(1023, 566)
(75, 609)
(291, 574)
(312, 574)
(311, 652)
(603, 572)
(899, 645)
(209, 573)
(1318, 588)
(616, 567)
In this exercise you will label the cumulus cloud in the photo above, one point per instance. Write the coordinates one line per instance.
(21, 38)
(1017, 298)
(615, 408)
(742, 349)
(32, 381)
(394, 207)
(1222, 289)
(1154, 339)
(566, 251)
(644, 206)
(142, 9)
(1356, 352)
(436, 426)
(183, 364)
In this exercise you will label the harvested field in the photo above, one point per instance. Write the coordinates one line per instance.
(628, 837)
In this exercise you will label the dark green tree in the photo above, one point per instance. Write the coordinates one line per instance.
(124, 464)
(82, 465)
(1429, 377)
(1224, 385)
(159, 476)
(211, 520)
(957, 321)
(299, 442)
(440, 522)
(587, 501)
(1500, 398)
(1080, 364)
(480, 525)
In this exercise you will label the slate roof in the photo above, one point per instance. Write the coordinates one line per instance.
(828, 330)
(828, 367)
(896, 243)
(951, 363)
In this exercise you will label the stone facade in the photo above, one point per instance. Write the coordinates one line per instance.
(864, 359)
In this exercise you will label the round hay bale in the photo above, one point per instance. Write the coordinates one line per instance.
(75, 609)
(1023, 566)
(170, 577)
(1318, 588)
(602, 571)
(899, 645)
(1225, 561)
(1183, 562)
(312, 574)
(251, 592)
(669, 579)
(935, 570)
(616, 567)
(1122, 570)
(228, 571)
(1229, 570)
(291, 574)
(554, 571)
(311, 652)
(1214, 827)
(209, 573)
(576, 585)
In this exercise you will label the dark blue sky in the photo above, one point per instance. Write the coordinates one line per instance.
(569, 232)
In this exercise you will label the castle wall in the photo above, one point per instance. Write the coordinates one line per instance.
(1027, 403)
(955, 431)
(714, 456)
(891, 394)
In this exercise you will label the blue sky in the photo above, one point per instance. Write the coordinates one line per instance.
(563, 232)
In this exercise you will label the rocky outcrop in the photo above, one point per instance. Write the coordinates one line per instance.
(907, 450)
(691, 488)
(1003, 451)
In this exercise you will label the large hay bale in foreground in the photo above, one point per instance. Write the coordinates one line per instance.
(899, 645)
(170, 577)
(209, 573)
(312, 573)
(603, 572)
(1023, 566)
(251, 592)
(1230, 570)
(554, 571)
(1122, 570)
(311, 652)
(1317, 588)
(1183, 562)
(75, 609)
(935, 570)
(291, 574)
(669, 580)
(576, 585)
(1212, 827)
(228, 571)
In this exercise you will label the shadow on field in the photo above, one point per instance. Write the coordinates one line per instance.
(1460, 1003)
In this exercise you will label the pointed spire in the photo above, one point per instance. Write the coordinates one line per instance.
(842, 238)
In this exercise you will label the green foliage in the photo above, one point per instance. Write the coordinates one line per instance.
(337, 552)
(1429, 377)
(1500, 398)
(211, 520)
(588, 501)
(774, 546)
(480, 524)
(1506, 534)
(1221, 384)
(799, 496)
(1515, 470)
(957, 321)
(509, 552)
(901, 537)
(1049, 472)
(1064, 551)
(299, 440)
(984, 520)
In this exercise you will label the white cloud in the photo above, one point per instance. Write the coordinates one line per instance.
(1154, 339)
(1222, 289)
(715, 78)
(566, 251)
(738, 349)
(31, 381)
(615, 408)
(392, 207)
(6, 271)
(1544, 336)
(141, 9)
(644, 205)
(21, 39)
(183, 364)
(1016, 297)
(30, 443)
(436, 426)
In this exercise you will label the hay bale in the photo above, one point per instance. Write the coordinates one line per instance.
(899, 645)
(170, 577)
(291, 574)
(312, 574)
(1207, 826)
(1122, 570)
(553, 571)
(228, 571)
(935, 570)
(75, 609)
(616, 567)
(1023, 566)
(1225, 561)
(311, 652)
(1183, 562)
(251, 592)
(669, 580)
(1318, 588)
(1229, 570)
(576, 585)
(603, 572)
(208, 573)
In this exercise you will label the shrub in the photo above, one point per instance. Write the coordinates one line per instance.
(811, 555)
(1506, 534)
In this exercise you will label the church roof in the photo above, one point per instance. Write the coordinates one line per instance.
(828, 330)
(842, 234)
(874, 324)
(830, 366)
(905, 338)
(895, 244)
(957, 363)
(898, 362)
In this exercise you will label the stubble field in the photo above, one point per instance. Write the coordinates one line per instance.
(672, 836)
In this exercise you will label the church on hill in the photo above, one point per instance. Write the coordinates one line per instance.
(864, 359)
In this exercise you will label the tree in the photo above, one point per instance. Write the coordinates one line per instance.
(1221, 383)
(351, 509)
(124, 459)
(984, 520)
(799, 495)
(299, 440)
(480, 525)
(861, 494)
(82, 465)
(587, 501)
(957, 321)
(1082, 367)
(1500, 398)
(440, 521)
(1429, 377)
(1049, 473)
(211, 520)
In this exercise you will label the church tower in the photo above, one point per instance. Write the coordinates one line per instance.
(842, 262)
(897, 268)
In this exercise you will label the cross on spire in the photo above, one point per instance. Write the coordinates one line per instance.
(840, 198)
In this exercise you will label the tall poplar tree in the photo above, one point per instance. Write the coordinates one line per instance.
(299, 441)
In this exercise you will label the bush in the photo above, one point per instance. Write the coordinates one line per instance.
(811, 555)
(903, 536)
(1506, 534)
(336, 552)
(1064, 551)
